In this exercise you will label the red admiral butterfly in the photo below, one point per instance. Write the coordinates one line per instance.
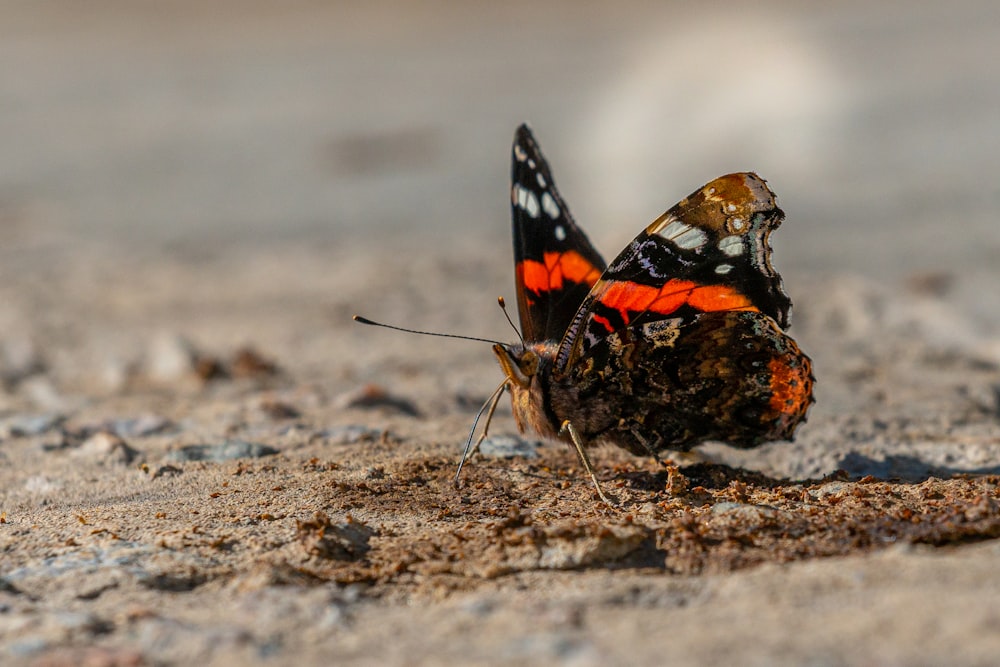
(678, 341)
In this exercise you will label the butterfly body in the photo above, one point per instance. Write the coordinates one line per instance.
(679, 340)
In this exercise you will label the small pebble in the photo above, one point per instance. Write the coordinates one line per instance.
(26, 646)
(139, 427)
(830, 489)
(278, 409)
(508, 447)
(170, 357)
(29, 425)
(166, 471)
(351, 433)
(322, 538)
(79, 622)
(43, 394)
(207, 368)
(106, 448)
(376, 396)
(745, 511)
(248, 363)
(227, 451)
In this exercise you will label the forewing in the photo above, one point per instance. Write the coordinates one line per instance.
(709, 253)
(555, 264)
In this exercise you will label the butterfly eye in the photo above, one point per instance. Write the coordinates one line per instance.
(528, 363)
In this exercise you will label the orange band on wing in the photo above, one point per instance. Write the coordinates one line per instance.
(717, 297)
(546, 276)
(791, 387)
(626, 297)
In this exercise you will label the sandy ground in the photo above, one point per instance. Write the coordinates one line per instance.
(203, 460)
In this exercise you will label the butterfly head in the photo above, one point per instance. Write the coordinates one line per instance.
(519, 363)
(528, 371)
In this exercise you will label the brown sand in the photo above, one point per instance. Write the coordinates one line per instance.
(203, 460)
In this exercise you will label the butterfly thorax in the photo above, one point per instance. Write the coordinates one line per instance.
(528, 369)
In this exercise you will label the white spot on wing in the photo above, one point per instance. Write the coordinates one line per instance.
(540, 179)
(724, 268)
(526, 201)
(732, 245)
(560, 233)
(736, 224)
(550, 206)
(682, 235)
(731, 208)
(519, 153)
(691, 239)
(531, 163)
(518, 195)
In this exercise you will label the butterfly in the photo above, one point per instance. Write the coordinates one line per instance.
(679, 340)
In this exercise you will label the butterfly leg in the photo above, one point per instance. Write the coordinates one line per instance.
(567, 427)
(489, 420)
(470, 448)
(645, 444)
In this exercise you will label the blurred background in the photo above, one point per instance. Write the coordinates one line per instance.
(212, 124)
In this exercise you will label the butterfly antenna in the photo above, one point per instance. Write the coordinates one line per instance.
(503, 307)
(365, 320)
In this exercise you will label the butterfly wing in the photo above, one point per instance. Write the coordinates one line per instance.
(730, 375)
(709, 253)
(555, 264)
